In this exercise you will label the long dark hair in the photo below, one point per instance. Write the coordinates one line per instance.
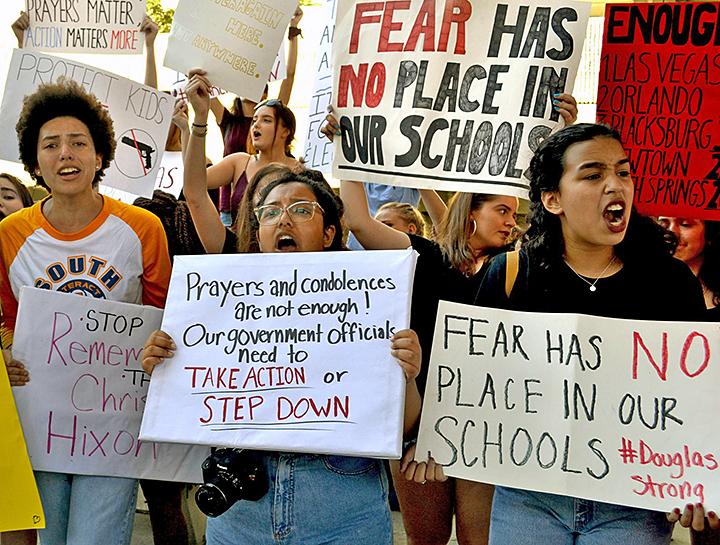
(544, 242)
(283, 115)
(331, 203)
(709, 273)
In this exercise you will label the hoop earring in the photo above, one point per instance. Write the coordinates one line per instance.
(474, 224)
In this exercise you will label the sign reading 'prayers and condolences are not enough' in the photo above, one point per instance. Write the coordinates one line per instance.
(450, 94)
(618, 411)
(286, 352)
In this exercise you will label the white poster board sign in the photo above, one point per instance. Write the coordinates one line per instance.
(454, 99)
(278, 72)
(318, 149)
(85, 26)
(618, 411)
(141, 115)
(284, 352)
(170, 173)
(82, 408)
(235, 42)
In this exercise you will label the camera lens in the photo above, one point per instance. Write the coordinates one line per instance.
(211, 500)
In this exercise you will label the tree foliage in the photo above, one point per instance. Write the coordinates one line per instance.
(163, 17)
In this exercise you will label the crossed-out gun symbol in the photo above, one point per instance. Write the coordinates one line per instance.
(145, 150)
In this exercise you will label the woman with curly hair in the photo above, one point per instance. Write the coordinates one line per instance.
(66, 142)
(587, 251)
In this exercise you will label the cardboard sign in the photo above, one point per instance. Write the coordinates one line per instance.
(618, 411)
(278, 72)
(20, 507)
(141, 115)
(659, 77)
(85, 26)
(284, 352)
(318, 149)
(235, 42)
(82, 408)
(453, 95)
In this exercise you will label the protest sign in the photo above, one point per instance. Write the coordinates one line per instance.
(141, 115)
(20, 506)
(659, 73)
(85, 26)
(452, 95)
(235, 42)
(170, 173)
(284, 352)
(82, 408)
(318, 149)
(278, 72)
(612, 410)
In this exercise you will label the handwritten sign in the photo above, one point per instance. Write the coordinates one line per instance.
(659, 73)
(278, 72)
(235, 42)
(452, 95)
(318, 149)
(20, 507)
(141, 115)
(85, 26)
(81, 410)
(170, 173)
(284, 352)
(618, 411)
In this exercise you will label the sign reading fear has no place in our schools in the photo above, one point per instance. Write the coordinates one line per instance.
(448, 94)
(286, 352)
(85, 26)
(82, 408)
(618, 411)
(660, 87)
(20, 506)
(141, 115)
(236, 42)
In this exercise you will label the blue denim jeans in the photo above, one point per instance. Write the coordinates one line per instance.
(86, 510)
(522, 517)
(312, 500)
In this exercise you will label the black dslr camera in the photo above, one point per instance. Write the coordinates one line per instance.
(229, 475)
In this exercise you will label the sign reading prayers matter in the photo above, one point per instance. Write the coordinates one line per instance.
(20, 506)
(284, 352)
(85, 26)
(619, 411)
(82, 408)
(235, 41)
(659, 78)
(450, 94)
(141, 115)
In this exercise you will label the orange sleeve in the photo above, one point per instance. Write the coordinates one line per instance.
(156, 259)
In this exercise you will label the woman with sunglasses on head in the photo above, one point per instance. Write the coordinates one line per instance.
(586, 251)
(313, 499)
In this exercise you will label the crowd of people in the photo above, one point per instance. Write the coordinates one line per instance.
(585, 250)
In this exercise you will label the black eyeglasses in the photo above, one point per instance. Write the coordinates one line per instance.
(299, 212)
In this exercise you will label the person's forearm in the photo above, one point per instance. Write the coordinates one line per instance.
(150, 67)
(413, 406)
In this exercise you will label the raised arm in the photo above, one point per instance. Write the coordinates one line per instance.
(205, 217)
(217, 109)
(372, 234)
(150, 29)
(19, 26)
(435, 206)
(293, 37)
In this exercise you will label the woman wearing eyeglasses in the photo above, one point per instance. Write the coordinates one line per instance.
(313, 499)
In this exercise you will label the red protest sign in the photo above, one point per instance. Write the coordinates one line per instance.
(659, 78)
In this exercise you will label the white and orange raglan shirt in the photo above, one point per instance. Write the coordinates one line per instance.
(122, 255)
